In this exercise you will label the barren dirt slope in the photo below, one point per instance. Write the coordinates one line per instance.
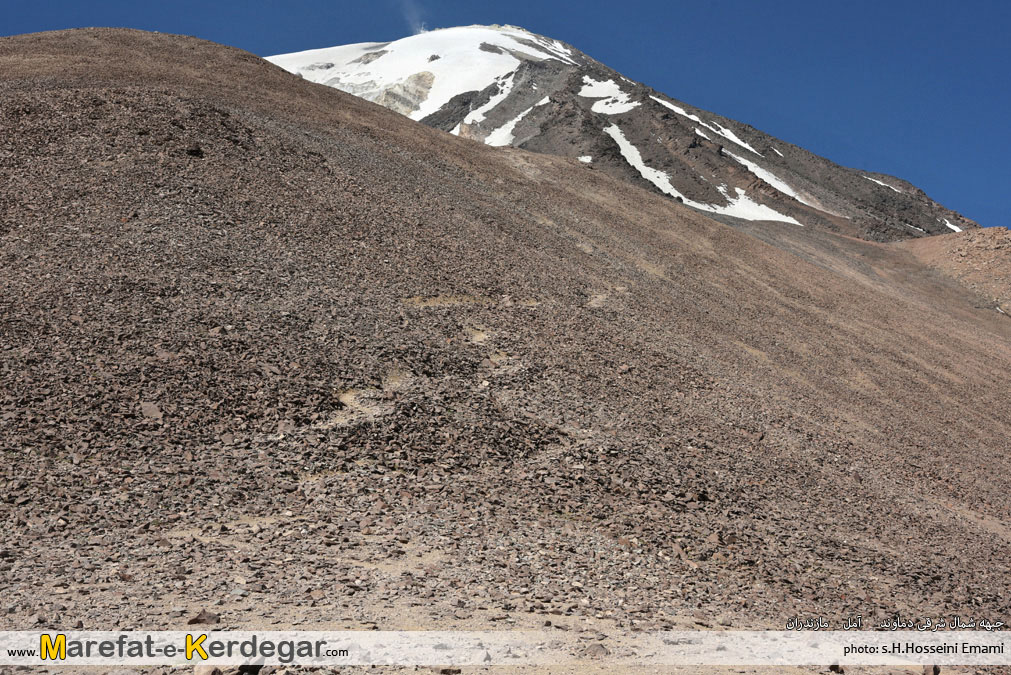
(278, 352)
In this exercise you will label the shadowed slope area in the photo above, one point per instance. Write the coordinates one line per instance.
(271, 345)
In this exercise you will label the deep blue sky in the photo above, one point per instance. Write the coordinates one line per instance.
(919, 89)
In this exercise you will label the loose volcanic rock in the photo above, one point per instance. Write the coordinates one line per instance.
(345, 370)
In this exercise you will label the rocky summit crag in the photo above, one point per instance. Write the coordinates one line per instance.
(506, 86)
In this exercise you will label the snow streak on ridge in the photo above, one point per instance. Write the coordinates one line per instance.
(715, 127)
(770, 178)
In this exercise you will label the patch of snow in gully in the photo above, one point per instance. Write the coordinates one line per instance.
(504, 134)
(950, 226)
(505, 85)
(740, 206)
(634, 157)
(612, 99)
(745, 208)
(586, 159)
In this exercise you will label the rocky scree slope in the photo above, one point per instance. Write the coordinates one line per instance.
(287, 356)
(506, 86)
(980, 259)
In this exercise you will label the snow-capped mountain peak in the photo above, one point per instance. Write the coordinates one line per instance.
(504, 85)
(418, 75)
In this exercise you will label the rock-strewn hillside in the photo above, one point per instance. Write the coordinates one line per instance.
(274, 352)
(506, 86)
(980, 259)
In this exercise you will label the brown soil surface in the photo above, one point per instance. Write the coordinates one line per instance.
(280, 353)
